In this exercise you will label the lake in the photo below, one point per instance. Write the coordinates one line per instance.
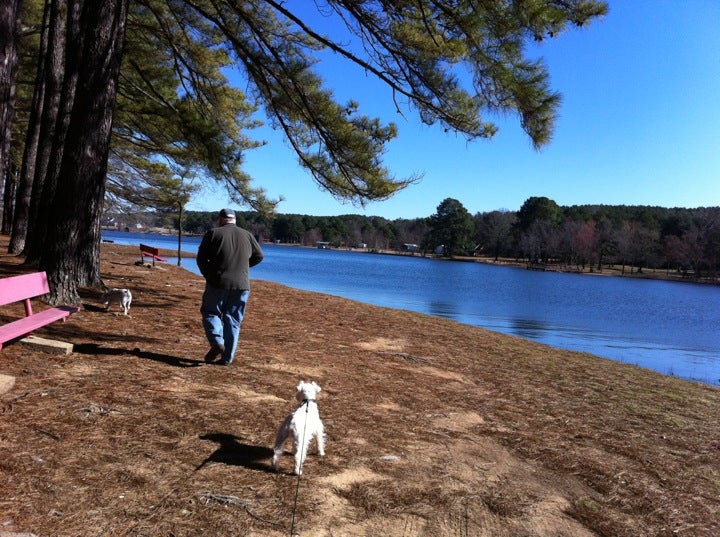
(671, 327)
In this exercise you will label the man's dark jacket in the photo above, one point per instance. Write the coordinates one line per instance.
(225, 255)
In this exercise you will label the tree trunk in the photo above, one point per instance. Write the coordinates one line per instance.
(32, 139)
(9, 197)
(72, 246)
(58, 95)
(9, 28)
(180, 221)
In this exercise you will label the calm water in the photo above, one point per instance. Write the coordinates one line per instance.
(673, 328)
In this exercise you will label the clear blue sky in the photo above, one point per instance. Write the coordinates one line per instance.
(639, 125)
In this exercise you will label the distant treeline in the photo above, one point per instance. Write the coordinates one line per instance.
(582, 236)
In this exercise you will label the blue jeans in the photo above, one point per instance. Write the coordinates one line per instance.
(222, 314)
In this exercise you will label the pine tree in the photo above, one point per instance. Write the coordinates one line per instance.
(418, 49)
(451, 229)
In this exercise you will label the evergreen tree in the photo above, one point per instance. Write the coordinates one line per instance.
(537, 209)
(418, 49)
(9, 38)
(176, 107)
(71, 252)
(288, 228)
(451, 228)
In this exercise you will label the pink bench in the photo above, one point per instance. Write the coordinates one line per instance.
(150, 252)
(22, 289)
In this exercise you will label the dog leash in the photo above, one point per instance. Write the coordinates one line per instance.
(306, 404)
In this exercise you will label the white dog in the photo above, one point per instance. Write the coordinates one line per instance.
(122, 296)
(304, 424)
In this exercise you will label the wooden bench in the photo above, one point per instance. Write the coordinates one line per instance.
(22, 289)
(153, 253)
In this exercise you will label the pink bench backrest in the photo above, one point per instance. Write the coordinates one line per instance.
(150, 249)
(17, 288)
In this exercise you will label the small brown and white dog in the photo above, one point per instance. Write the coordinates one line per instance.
(303, 424)
(123, 297)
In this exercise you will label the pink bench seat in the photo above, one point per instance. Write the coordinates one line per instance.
(22, 289)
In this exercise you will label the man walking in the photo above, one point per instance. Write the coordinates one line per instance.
(224, 257)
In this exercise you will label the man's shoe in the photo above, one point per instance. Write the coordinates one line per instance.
(213, 353)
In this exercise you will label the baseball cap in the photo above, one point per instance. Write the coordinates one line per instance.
(227, 213)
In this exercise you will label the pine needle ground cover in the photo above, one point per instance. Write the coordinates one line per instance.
(434, 428)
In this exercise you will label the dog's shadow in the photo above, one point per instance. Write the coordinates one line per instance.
(233, 451)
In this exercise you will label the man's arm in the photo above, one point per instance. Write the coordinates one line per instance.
(202, 254)
(257, 254)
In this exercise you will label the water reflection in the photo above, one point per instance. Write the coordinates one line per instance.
(443, 309)
(529, 328)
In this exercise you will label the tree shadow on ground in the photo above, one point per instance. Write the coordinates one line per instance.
(176, 361)
(233, 451)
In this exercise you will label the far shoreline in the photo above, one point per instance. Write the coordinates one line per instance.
(607, 271)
